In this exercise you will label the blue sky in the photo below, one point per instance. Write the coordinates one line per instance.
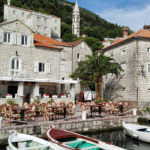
(132, 13)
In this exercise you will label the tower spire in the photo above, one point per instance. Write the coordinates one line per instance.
(8, 2)
(76, 20)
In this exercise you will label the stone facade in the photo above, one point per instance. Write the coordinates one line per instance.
(47, 25)
(134, 56)
(28, 67)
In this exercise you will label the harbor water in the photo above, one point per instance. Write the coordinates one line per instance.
(117, 137)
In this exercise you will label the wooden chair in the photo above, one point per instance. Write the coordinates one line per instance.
(11, 115)
(32, 112)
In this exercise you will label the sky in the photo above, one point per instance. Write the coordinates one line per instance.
(132, 13)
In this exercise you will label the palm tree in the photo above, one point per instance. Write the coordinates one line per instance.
(94, 68)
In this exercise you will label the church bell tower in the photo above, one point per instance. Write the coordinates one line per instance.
(76, 20)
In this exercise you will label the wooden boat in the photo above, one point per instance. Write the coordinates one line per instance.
(18, 141)
(74, 141)
(139, 132)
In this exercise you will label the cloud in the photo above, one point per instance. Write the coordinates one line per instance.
(133, 18)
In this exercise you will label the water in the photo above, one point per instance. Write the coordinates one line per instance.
(117, 137)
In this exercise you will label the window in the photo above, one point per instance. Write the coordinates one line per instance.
(111, 54)
(148, 50)
(23, 40)
(6, 37)
(41, 67)
(78, 57)
(15, 67)
(148, 68)
(123, 52)
(42, 91)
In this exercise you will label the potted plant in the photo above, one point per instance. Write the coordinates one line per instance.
(98, 101)
(50, 101)
(11, 102)
(37, 101)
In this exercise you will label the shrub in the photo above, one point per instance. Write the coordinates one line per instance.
(11, 102)
(50, 101)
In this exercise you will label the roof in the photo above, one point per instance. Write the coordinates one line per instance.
(44, 41)
(141, 33)
(31, 11)
(7, 22)
(76, 8)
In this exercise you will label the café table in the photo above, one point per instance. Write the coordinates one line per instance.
(58, 107)
(22, 110)
(94, 106)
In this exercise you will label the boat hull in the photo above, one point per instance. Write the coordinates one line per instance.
(74, 141)
(138, 132)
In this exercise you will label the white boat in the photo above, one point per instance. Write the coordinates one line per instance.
(75, 141)
(138, 132)
(19, 141)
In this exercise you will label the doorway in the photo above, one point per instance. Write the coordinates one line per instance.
(12, 90)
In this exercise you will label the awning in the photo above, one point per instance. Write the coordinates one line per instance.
(69, 81)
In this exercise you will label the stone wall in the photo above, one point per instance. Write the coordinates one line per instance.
(38, 22)
(124, 86)
(77, 126)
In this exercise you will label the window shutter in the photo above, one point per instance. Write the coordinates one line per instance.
(148, 68)
(36, 66)
(1, 36)
(18, 39)
(13, 38)
(48, 68)
(30, 40)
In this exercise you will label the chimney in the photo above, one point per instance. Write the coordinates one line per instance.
(8, 2)
(146, 27)
(125, 32)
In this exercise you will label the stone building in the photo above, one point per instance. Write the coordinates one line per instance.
(44, 24)
(76, 20)
(133, 53)
(36, 65)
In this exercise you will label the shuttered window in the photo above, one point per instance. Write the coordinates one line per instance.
(41, 67)
(48, 68)
(36, 66)
(6, 37)
(24, 40)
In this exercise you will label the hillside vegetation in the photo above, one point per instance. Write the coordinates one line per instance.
(92, 25)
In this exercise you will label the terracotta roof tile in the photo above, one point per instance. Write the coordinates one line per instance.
(141, 33)
(46, 45)
(43, 39)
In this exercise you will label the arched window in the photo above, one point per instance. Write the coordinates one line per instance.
(15, 66)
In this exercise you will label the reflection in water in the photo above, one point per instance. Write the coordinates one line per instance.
(118, 138)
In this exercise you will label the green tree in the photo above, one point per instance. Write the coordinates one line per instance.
(94, 43)
(94, 68)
